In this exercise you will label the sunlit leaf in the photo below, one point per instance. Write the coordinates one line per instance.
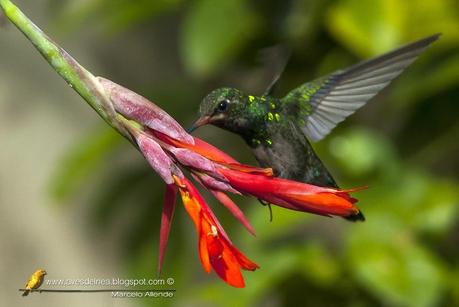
(388, 261)
(213, 32)
(361, 151)
(437, 208)
(367, 27)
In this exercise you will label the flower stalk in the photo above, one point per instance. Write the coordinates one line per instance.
(76, 76)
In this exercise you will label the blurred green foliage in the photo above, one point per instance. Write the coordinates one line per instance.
(403, 145)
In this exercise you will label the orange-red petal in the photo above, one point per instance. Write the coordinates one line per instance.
(225, 264)
(291, 194)
(215, 249)
(199, 146)
(166, 220)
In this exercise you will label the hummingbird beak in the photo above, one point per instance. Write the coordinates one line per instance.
(200, 122)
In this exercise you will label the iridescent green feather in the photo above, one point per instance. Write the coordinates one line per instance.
(297, 103)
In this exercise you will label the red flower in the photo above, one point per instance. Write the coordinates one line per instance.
(293, 195)
(215, 249)
(261, 183)
(167, 147)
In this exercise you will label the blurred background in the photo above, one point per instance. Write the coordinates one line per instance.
(78, 200)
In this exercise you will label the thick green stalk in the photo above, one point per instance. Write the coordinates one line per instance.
(77, 77)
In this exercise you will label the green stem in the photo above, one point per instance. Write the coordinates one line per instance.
(77, 77)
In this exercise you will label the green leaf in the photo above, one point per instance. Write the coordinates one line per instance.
(112, 15)
(275, 265)
(434, 80)
(304, 20)
(433, 204)
(367, 27)
(83, 160)
(125, 13)
(213, 32)
(318, 265)
(361, 151)
(388, 261)
(283, 222)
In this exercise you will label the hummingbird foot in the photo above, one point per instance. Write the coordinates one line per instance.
(264, 203)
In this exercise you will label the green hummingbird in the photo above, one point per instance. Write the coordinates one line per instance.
(279, 129)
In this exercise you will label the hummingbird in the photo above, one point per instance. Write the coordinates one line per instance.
(279, 130)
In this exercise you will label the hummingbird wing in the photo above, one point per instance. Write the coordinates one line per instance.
(323, 103)
(275, 60)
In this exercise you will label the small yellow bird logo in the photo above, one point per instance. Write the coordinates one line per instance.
(35, 281)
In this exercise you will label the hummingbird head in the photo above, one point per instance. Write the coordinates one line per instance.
(225, 108)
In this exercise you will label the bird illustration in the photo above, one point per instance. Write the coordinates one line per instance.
(35, 281)
(279, 129)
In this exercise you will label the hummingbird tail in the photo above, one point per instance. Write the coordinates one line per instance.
(325, 179)
(358, 217)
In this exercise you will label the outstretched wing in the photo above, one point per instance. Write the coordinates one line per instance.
(325, 102)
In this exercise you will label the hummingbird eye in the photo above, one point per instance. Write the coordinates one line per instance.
(222, 105)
